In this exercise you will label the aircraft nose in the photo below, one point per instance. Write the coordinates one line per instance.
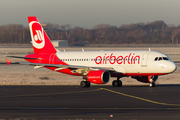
(172, 67)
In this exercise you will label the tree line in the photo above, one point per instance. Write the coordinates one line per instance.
(157, 32)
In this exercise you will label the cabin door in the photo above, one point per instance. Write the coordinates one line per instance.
(144, 60)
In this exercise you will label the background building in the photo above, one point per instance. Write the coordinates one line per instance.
(60, 43)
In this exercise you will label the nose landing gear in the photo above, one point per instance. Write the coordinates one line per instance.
(152, 80)
(152, 84)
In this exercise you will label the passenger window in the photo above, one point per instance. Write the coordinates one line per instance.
(156, 59)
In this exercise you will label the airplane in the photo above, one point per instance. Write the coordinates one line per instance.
(96, 66)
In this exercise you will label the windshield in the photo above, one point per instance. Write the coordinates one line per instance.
(161, 58)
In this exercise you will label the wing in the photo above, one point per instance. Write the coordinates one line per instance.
(74, 68)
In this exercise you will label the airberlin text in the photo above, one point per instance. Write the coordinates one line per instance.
(112, 59)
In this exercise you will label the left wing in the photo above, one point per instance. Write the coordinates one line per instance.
(74, 68)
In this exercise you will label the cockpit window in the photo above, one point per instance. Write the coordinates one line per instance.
(156, 59)
(161, 58)
(165, 58)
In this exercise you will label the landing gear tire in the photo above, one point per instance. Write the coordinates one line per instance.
(117, 83)
(84, 84)
(88, 84)
(152, 84)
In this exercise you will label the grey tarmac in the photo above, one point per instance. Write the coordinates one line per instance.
(97, 102)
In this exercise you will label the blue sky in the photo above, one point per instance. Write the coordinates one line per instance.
(88, 13)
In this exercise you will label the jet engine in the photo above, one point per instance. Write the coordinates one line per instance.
(98, 77)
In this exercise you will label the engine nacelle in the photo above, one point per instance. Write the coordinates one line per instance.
(98, 77)
(146, 79)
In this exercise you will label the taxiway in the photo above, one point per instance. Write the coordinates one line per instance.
(97, 102)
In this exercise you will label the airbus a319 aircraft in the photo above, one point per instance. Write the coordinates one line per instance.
(96, 66)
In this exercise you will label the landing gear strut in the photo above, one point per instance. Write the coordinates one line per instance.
(117, 83)
(84, 84)
(152, 80)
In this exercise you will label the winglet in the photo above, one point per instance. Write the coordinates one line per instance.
(8, 62)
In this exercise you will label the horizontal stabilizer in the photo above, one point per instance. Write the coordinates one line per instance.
(10, 62)
(24, 57)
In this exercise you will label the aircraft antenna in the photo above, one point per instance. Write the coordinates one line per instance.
(149, 49)
(82, 49)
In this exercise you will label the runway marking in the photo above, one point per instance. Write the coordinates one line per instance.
(143, 99)
(49, 93)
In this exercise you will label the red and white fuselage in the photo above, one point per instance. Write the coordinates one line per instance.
(129, 63)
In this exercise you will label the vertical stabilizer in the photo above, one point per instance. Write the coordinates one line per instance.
(40, 40)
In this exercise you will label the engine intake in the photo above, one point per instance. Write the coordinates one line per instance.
(98, 77)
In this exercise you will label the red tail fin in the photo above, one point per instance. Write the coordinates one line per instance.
(41, 42)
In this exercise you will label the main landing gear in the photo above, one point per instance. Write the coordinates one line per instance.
(117, 83)
(84, 84)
